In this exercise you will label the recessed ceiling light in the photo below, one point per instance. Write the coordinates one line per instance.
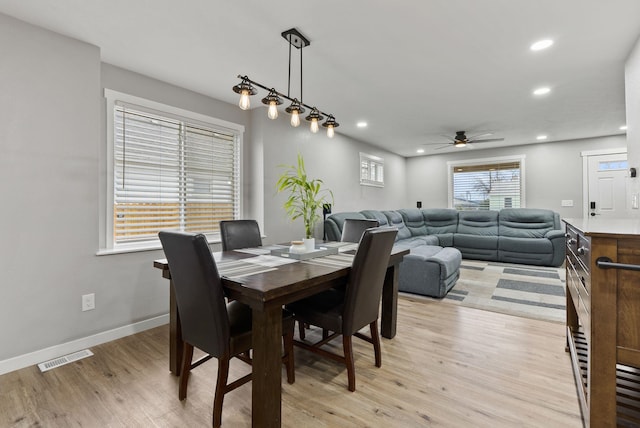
(623, 128)
(541, 137)
(541, 44)
(361, 124)
(420, 151)
(542, 91)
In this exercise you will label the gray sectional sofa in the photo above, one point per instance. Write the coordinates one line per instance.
(439, 238)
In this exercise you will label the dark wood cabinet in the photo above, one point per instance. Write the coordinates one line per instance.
(603, 318)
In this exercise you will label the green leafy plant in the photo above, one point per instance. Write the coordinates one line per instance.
(306, 195)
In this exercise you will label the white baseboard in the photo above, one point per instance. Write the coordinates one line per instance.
(26, 360)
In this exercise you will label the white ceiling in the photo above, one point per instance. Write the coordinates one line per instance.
(414, 70)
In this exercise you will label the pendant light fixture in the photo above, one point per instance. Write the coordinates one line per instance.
(273, 101)
(246, 89)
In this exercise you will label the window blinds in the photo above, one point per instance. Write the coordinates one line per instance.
(171, 174)
(490, 186)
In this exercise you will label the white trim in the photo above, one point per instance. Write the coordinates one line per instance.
(371, 160)
(113, 98)
(451, 164)
(603, 152)
(585, 172)
(32, 358)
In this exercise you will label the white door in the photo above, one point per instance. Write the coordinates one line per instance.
(608, 178)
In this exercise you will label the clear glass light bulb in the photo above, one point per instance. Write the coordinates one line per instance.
(314, 125)
(273, 110)
(244, 100)
(295, 118)
(330, 132)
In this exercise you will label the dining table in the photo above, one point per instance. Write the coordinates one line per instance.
(266, 278)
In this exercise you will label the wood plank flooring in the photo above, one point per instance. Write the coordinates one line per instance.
(449, 366)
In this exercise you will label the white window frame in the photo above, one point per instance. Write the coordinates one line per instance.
(373, 162)
(483, 161)
(107, 245)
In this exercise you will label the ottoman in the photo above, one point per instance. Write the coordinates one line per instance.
(430, 270)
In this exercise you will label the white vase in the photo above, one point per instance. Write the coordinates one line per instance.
(310, 244)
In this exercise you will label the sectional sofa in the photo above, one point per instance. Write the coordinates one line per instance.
(439, 238)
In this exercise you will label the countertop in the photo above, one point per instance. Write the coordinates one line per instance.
(597, 226)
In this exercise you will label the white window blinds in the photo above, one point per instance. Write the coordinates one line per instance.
(487, 186)
(171, 174)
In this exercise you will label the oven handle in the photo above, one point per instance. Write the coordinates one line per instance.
(607, 263)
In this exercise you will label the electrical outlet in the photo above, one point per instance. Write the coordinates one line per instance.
(88, 302)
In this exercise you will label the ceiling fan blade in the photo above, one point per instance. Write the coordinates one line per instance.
(475, 137)
(488, 140)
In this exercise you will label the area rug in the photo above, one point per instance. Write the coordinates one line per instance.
(521, 290)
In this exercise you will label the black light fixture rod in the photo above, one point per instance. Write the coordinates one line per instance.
(253, 82)
(289, 78)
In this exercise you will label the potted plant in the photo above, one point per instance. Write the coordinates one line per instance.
(306, 197)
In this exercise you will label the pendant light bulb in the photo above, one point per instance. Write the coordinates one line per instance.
(244, 103)
(295, 118)
(330, 131)
(314, 125)
(273, 110)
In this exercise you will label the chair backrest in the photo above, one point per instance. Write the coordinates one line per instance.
(352, 229)
(239, 234)
(198, 290)
(364, 289)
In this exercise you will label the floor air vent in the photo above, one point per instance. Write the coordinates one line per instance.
(65, 359)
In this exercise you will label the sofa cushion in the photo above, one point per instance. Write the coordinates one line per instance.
(376, 215)
(526, 250)
(483, 223)
(414, 220)
(430, 270)
(440, 220)
(395, 220)
(525, 222)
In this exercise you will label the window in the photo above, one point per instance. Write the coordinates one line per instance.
(168, 171)
(371, 170)
(487, 184)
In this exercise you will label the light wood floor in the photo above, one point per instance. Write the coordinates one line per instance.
(449, 366)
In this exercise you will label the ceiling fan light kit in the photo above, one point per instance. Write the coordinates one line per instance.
(274, 98)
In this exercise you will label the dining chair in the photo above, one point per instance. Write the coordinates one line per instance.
(222, 330)
(345, 312)
(237, 234)
(352, 228)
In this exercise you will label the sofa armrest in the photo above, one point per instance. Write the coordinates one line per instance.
(554, 234)
(559, 244)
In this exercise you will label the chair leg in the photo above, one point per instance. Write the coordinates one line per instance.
(301, 327)
(348, 360)
(375, 338)
(289, 358)
(221, 389)
(187, 355)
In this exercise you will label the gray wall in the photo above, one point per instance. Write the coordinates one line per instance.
(632, 99)
(49, 132)
(553, 172)
(334, 160)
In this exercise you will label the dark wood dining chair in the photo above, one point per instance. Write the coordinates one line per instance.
(237, 234)
(220, 329)
(353, 228)
(345, 312)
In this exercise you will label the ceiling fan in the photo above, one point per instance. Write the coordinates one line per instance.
(461, 140)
